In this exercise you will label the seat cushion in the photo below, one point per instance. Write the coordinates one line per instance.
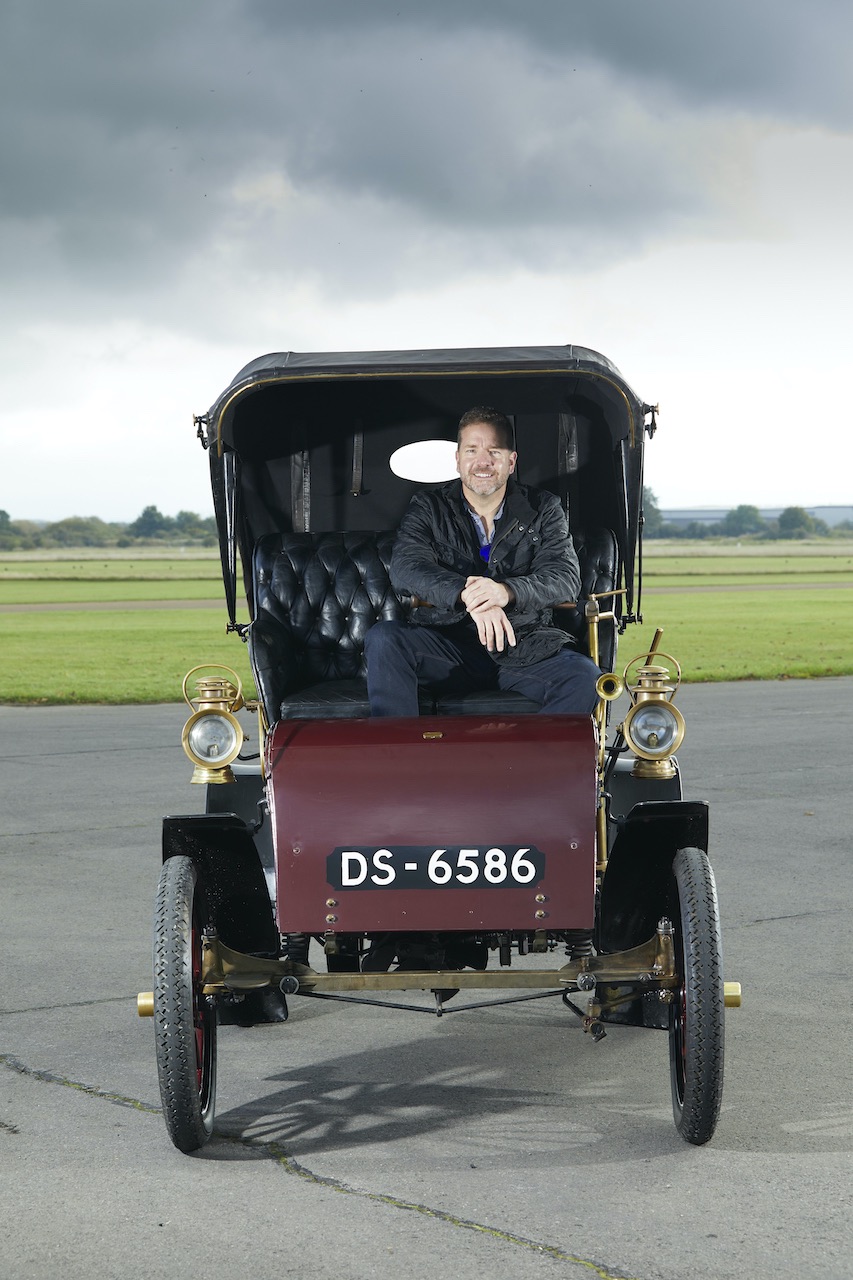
(347, 700)
(336, 700)
(331, 700)
(484, 702)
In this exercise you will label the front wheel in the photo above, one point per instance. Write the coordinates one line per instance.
(697, 1013)
(184, 1020)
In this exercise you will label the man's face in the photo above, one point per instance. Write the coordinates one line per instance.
(483, 465)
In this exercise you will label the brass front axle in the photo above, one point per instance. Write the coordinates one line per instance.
(651, 966)
(225, 970)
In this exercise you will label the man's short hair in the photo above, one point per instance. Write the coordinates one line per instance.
(485, 415)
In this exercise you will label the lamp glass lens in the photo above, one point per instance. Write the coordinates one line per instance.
(211, 738)
(654, 728)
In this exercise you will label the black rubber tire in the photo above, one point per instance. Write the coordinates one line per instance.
(697, 1014)
(184, 1021)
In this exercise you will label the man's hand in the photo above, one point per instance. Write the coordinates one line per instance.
(494, 628)
(485, 593)
(485, 601)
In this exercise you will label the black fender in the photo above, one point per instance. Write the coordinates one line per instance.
(627, 790)
(636, 886)
(222, 847)
(246, 797)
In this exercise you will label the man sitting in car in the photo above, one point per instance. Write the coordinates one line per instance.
(491, 557)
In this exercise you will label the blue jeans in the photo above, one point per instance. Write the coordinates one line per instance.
(451, 660)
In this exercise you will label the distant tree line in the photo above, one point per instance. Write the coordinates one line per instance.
(742, 522)
(151, 527)
(88, 531)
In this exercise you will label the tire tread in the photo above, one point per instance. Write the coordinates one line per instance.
(696, 1106)
(189, 1119)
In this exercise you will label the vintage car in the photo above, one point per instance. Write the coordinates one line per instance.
(350, 842)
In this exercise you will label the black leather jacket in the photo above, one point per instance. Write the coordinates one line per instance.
(437, 549)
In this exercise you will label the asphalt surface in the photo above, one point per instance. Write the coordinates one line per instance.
(357, 1142)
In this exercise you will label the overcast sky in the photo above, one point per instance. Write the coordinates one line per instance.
(187, 186)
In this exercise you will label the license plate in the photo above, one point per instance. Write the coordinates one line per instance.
(422, 867)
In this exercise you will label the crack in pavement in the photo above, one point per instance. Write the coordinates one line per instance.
(50, 1077)
(34, 833)
(797, 915)
(276, 1152)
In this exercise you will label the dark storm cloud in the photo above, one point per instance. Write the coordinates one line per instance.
(353, 141)
(789, 59)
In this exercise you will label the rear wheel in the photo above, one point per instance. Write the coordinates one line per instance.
(184, 1020)
(697, 1013)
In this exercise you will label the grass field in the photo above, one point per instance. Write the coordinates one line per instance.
(114, 656)
(739, 636)
(772, 623)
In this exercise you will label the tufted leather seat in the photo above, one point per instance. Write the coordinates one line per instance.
(316, 597)
(318, 594)
(598, 556)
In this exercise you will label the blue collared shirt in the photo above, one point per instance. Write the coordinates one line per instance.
(485, 538)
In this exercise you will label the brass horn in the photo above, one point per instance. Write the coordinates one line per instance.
(609, 686)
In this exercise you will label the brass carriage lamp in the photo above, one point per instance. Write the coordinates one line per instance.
(213, 736)
(653, 727)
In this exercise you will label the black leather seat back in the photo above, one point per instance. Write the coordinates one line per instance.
(318, 594)
(316, 597)
(598, 555)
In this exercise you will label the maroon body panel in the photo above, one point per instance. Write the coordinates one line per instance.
(438, 823)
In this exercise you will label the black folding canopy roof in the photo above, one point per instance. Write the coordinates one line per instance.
(302, 440)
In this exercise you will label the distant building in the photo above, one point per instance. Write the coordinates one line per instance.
(830, 515)
(695, 515)
(714, 515)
